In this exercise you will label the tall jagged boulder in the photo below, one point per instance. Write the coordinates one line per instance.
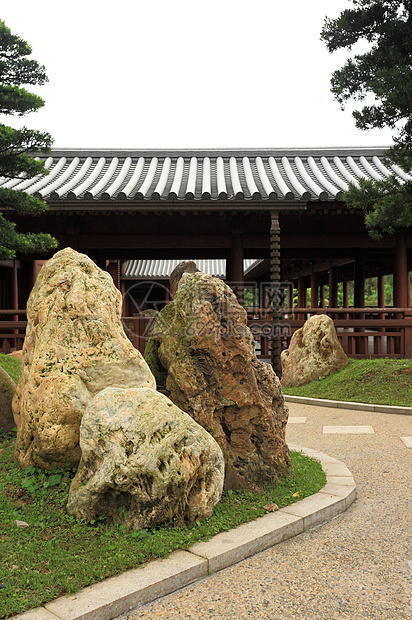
(75, 346)
(203, 356)
(144, 462)
(314, 352)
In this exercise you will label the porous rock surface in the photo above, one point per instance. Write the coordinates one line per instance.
(7, 391)
(314, 352)
(203, 357)
(75, 346)
(144, 461)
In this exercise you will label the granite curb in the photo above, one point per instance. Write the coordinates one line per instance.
(342, 404)
(120, 594)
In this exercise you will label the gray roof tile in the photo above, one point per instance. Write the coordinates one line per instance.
(187, 175)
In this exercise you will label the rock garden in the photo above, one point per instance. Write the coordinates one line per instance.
(118, 459)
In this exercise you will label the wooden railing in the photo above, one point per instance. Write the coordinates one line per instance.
(362, 332)
(13, 325)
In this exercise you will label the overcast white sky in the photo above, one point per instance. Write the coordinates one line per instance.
(185, 73)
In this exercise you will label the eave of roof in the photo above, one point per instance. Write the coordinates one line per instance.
(273, 176)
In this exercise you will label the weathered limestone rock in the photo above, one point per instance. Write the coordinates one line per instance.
(7, 391)
(203, 356)
(75, 346)
(144, 461)
(314, 352)
(186, 266)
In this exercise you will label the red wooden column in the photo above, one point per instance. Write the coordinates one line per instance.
(381, 291)
(302, 295)
(15, 289)
(400, 272)
(345, 287)
(322, 294)
(275, 291)
(381, 304)
(15, 301)
(314, 289)
(333, 287)
(359, 296)
(359, 281)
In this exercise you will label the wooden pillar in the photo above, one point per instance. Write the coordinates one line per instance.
(314, 289)
(290, 297)
(381, 291)
(333, 287)
(15, 288)
(236, 277)
(359, 297)
(359, 281)
(15, 300)
(322, 294)
(400, 272)
(345, 294)
(275, 291)
(302, 296)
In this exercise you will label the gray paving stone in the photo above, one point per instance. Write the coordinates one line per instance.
(296, 399)
(316, 509)
(227, 548)
(348, 430)
(356, 406)
(347, 492)
(342, 480)
(322, 402)
(316, 454)
(336, 469)
(297, 420)
(394, 410)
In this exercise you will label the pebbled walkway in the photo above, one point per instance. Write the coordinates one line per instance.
(356, 567)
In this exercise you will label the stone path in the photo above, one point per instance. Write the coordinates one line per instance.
(356, 567)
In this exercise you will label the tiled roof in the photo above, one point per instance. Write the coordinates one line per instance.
(163, 268)
(187, 175)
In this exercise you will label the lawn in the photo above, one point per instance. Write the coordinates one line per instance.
(377, 381)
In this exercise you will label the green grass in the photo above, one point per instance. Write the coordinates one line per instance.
(11, 365)
(58, 555)
(377, 381)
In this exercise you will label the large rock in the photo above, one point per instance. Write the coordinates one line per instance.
(7, 391)
(203, 356)
(144, 461)
(75, 346)
(314, 352)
